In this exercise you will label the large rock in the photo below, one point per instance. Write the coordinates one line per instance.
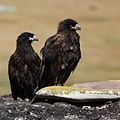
(76, 95)
(110, 84)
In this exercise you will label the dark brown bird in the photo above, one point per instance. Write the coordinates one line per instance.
(61, 53)
(24, 67)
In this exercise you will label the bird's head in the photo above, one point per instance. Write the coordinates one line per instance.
(26, 37)
(69, 24)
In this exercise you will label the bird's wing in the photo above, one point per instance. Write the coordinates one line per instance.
(73, 57)
(50, 53)
(50, 50)
(34, 67)
(15, 78)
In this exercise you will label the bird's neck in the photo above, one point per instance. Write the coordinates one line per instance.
(65, 31)
(26, 48)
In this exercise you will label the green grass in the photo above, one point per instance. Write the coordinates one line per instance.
(100, 35)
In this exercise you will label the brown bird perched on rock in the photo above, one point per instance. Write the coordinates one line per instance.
(24, 67)
(61, 53)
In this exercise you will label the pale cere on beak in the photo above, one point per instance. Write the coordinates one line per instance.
(34, 38)
(77, 27)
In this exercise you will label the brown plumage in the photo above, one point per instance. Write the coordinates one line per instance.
(24, 67)
(61, 53)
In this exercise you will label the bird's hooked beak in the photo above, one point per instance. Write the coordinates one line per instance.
(77, 27)
(34, 38)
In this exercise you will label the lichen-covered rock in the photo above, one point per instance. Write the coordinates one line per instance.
(75, 95)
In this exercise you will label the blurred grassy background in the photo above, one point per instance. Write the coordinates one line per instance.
(100, 35)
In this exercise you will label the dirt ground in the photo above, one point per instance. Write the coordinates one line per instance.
(21, 110)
